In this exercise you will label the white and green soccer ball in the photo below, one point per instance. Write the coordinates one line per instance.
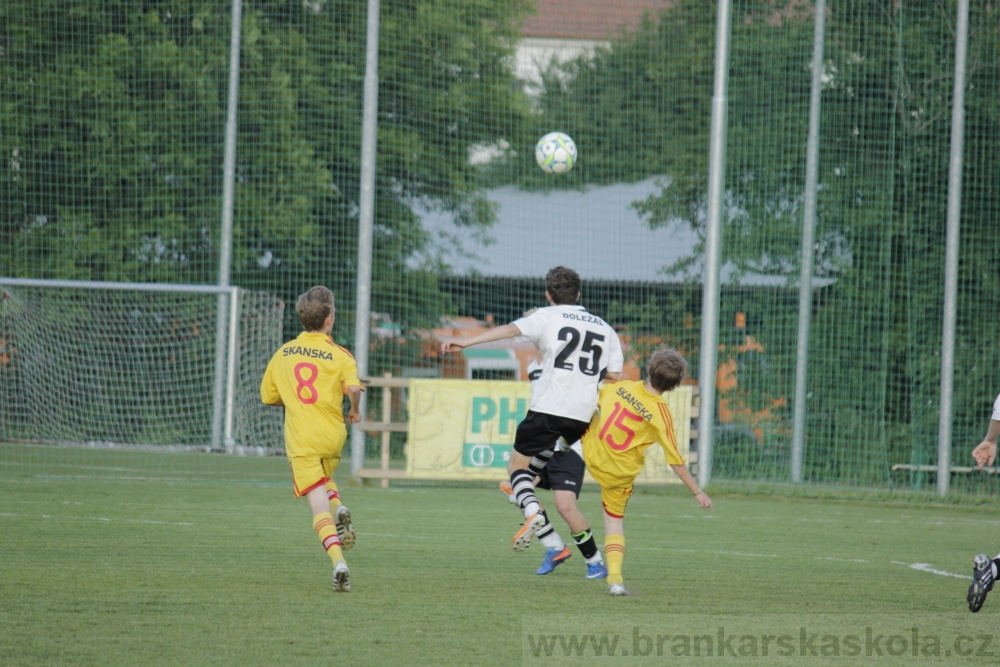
(555, 153)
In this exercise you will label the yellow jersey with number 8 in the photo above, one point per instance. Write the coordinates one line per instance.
(309, 376)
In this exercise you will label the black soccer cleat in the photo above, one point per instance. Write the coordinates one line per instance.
(982, 582)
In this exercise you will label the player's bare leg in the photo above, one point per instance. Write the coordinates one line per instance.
(569, 510)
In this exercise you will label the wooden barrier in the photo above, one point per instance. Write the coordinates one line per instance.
(386, 427)
(932, 468)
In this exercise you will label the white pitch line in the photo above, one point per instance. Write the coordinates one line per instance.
(706, 551)
(930, 569)
(740, 553)
(105, 519)
(415, 536)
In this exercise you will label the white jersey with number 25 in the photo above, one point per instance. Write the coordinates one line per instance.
(576, 347)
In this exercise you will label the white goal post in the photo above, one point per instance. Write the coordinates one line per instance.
(137, 365)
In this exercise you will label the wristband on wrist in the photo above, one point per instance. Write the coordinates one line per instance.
(697, 492)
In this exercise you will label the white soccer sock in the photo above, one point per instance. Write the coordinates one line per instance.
(553, 541)
(521, 482)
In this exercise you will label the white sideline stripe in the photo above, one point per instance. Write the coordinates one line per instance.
(927, 567)
(416, 536)
(740, 553)
(930, 522)
(842, 560)
(102, 518)
(704, 551)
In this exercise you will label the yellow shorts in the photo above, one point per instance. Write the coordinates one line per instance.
(615, 499)
(308, 472)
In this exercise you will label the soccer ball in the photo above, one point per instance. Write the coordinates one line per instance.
(555, 153)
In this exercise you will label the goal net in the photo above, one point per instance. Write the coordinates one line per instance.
(138, 366)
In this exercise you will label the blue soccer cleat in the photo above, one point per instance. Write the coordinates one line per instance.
(597, 570)
(554, 557)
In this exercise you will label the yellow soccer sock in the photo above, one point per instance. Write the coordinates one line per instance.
(326, 530)
(334, 495)
(614, 551)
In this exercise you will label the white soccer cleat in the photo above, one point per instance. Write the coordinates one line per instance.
(341, 578)
(522, 539)
(617, 590)
(345, 528)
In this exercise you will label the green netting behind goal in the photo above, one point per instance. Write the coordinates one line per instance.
(112, 157)
(132, 369)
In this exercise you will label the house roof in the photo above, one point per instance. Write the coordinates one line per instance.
(588, 19)
(595, 231)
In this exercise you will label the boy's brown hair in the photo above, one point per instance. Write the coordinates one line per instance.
(665, 369)
(314, 306)
(563, 285)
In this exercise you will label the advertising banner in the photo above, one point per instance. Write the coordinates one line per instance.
(464, 429)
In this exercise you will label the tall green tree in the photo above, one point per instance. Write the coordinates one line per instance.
(642, 108)
(113, 126)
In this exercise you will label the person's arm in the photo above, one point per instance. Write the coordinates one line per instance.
(685, 475)
(354, 396)
(496, 333)
(269, 389)
(616, 360)
(985, 452)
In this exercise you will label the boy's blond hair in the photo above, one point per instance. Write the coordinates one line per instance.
(665, 369)
(314, 306)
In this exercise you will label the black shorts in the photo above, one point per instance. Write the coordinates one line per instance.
(540, 431)
(564, 472)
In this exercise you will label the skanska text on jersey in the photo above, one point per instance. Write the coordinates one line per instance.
(636, 404)
(583, 318)
(307, 352)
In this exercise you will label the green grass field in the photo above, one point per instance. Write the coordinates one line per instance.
(225, 569)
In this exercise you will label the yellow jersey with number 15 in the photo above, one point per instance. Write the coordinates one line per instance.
(309, 376)
(628, 420)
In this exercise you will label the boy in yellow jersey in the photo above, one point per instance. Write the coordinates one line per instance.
(309, 377)
(632, 416)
